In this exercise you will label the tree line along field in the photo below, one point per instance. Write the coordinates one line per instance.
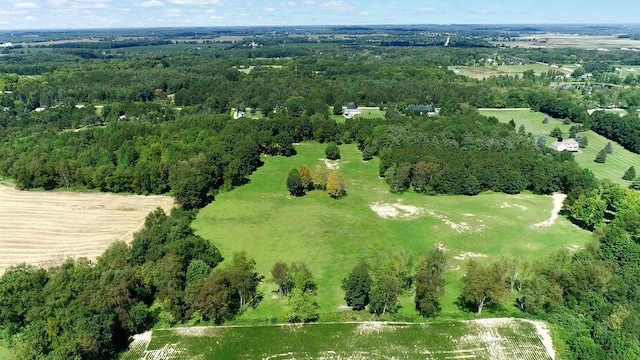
(479, 339)
(485, 71)
(616, 164)
(331, 235)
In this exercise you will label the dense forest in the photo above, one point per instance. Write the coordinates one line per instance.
(82, 118)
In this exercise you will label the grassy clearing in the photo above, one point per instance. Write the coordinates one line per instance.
(331, 235)
(369, 112)
(5, 353)
(617, 163)
(485, 339)
(481, 72)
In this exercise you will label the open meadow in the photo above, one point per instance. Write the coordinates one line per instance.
(482, 72)
(479, 339)
(331, 235)
(45, 227)
(617, 162)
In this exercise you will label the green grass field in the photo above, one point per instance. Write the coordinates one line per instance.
(485, 339)
(481, 72)
(367, 112)
(617, 163)
(331, 235)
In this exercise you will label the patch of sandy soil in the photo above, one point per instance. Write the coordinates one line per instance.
(195, 331)
(44, 228)
(506, 205)
(544, 335)
(468, 255)
(558, 199)
(395, 210)
(331, 164)
(458, 227)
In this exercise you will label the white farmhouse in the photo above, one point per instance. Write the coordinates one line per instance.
(566, 145)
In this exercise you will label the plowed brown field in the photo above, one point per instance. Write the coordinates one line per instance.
(44, 228)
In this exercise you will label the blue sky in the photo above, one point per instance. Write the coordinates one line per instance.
(73, 14)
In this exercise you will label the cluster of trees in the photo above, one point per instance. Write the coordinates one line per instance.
(296, 283)
(302, 180)
(466, 154)
(625, 130)
(378, 287)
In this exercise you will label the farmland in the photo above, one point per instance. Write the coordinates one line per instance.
(44, 228)
(331, 235)
(484, 339)
(617, 162)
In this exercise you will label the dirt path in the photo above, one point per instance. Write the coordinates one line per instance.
(558, 199)
(44, 228)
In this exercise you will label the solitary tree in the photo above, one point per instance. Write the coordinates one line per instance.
(630, 174)
(243, 279)
(385, 289)
(332, 151)
(608, 148)
(601, 157)
(357, 286)
(521, 130)
(582, 141)
(295, 185)
(545, 120)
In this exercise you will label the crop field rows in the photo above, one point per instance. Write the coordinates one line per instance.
(44, 228)
(478, 339)
(617, 162)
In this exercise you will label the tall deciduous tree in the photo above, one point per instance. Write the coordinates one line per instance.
(335, 185)
(302, 306)
(305, 176)
(556, 133)
(357, 286)
(282, 277)
(483, 285)
(319, 177)
(385, 290)
(243, 278)
(430, 283)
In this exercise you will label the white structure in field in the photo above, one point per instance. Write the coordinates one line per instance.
(566, 145)
(349, 113)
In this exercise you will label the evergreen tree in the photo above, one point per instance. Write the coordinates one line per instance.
(521, 130)
(582, 141)
(630, 174)
(608, 148)
(357, 286)
(545, 120)
(601, 157)
(542, 141)
(295, 185)
(337, 108)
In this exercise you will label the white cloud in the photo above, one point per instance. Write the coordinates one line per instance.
(195, 2)
(25, 5)
(335, 5)
(31, 18)
(364, 13)
(292, 3)
(429, 10)
(270, 9)
(151, 3)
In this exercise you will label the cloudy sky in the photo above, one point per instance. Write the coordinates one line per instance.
(74, 14)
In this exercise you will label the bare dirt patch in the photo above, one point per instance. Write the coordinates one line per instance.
(558, 199)
(395, 210)
(468, 255)
(44, 228)
(460, 227)
(331, 164)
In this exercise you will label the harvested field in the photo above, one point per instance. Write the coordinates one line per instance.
(44, 228)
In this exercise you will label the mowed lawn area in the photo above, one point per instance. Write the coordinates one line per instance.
(617, 162)
(331, 235)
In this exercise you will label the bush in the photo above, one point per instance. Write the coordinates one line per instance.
(295, 185)
(332, 151)
(630, 174)
(601, 157)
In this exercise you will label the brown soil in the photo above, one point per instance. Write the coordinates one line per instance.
(44, 228)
